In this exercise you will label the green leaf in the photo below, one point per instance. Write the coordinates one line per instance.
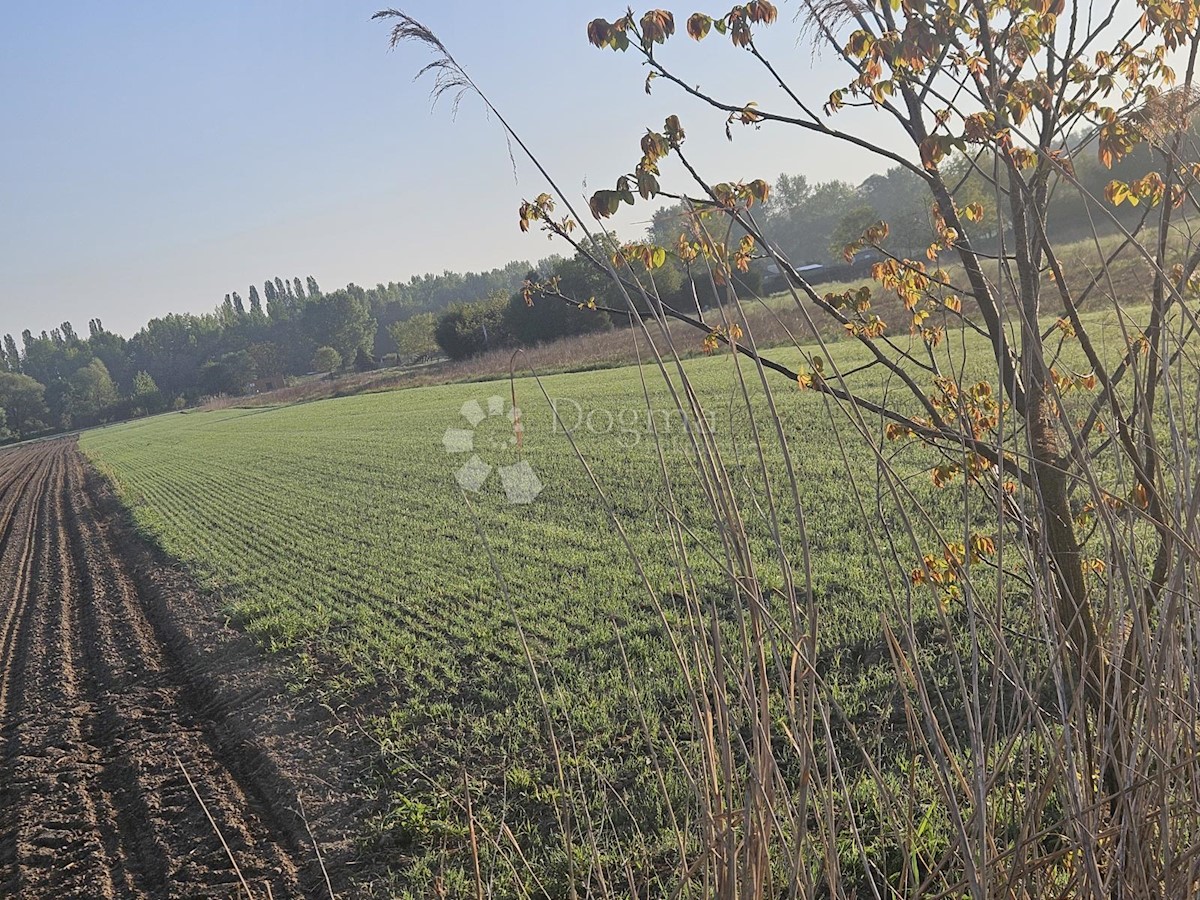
(647, 184)
(604, 203)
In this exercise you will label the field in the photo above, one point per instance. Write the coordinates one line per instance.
(493, 665)
(335, 533)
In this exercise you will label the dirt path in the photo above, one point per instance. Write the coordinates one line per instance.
(108, 708)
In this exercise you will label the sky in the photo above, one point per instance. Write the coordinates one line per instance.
(158, 155)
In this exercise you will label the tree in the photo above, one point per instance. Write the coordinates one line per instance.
(12, 353)
(899, 198)
(313, 289)
(23, 401)
(1064, 449)
(146, 396)
(853, 224)
(341, 320)
(910, 53)
(1028, 95)
(227, 316)
(789, 193)
(544, 310)
(256, 307)
(113, 351)
(278, 309)
(230, 375)
(801, 229)
(299, 289)
(414, 336)
(266, 359)
(172, 350)
(364, 361)
(60, 404)
(92, 390)
(326, 359)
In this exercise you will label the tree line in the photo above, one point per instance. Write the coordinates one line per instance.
(811, 224)
(60, 379)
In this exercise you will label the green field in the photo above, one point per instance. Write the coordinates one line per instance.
(336, 534)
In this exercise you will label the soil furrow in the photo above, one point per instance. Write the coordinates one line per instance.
(60, 831)
(106, 700)
(142, 702)
(21, 529)
(27, 543)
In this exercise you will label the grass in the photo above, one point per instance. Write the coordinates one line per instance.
(336, 534)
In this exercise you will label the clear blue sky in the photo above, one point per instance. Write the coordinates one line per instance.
(157, 155)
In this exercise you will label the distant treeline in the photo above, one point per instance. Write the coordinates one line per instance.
(810, 225)
(61, 379)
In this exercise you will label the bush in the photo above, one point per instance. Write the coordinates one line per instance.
(549, 319)
(469, 329)
(364, 361)
(228, 375)
(326, 359)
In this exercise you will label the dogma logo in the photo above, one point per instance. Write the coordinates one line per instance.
(520, 482)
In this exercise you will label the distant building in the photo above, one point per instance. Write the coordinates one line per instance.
(266, 383)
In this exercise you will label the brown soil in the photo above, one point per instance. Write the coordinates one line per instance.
(119, 683)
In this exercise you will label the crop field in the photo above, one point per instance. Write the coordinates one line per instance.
(336, 534)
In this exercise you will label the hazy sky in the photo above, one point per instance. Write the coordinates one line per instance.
(157, 155)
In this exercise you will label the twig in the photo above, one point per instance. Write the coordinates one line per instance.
(213, 822)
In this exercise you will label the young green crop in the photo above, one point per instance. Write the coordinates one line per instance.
(336, 534)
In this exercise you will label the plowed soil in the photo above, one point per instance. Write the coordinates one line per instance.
(145, 750)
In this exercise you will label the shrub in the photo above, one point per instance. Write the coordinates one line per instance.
(549, 318)
(326, 359)
(471, 328)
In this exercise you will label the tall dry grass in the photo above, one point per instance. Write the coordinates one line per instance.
(1005, 779)
(1049, 744)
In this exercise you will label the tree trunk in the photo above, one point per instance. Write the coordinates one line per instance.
(1065, 557)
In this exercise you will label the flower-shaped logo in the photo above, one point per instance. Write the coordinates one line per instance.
(520, 482)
